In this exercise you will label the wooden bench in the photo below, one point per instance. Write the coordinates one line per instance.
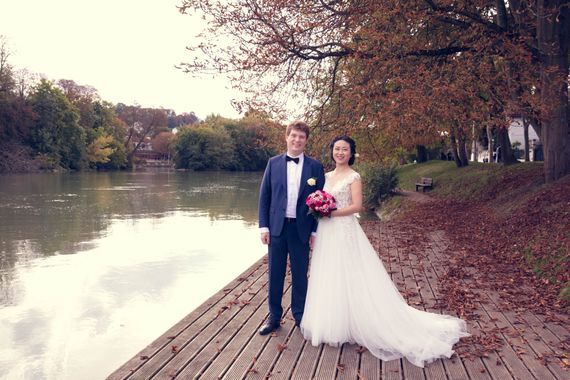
(424, 183)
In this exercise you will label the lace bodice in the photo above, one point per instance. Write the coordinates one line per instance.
(341, 189)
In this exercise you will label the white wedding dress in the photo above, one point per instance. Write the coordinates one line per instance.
(351, 297)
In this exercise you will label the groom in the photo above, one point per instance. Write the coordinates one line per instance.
(284, 223)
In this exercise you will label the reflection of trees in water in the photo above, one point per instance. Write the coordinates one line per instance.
(63, 213)
(222, 195)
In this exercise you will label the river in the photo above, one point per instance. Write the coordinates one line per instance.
(94, 266)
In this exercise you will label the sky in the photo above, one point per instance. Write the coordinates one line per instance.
(126, 49)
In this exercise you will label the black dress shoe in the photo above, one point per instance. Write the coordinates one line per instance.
(269, 327)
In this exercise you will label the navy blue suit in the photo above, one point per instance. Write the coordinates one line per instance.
(286, 237)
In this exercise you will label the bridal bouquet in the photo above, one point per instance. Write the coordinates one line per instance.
(320, 204)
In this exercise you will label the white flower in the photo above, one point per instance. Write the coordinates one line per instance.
(312, 181)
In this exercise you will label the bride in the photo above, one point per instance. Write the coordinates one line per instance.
(351, 297)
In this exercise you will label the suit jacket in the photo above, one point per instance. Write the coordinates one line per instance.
(273, 195)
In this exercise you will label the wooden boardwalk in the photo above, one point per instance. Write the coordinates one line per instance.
(219, 339)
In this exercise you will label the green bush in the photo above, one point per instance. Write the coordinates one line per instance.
(203, 148)
(377, 182)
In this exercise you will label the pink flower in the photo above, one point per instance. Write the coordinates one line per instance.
(320, 204)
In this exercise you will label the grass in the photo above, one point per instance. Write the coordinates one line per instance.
(410, 173)
(389, 207)
(476, 182)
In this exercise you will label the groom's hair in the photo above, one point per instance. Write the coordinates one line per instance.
(298, 125)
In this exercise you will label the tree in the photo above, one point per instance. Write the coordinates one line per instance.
(56, 131)
(525, 138)
(100, 150)
(203, 148)
(407, 68)
(83, 98)
(6, 71)
(553, 35)
(141, 123)
(25, 82)
(185, 118)
(161, 143)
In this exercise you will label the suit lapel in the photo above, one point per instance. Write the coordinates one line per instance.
(304, 175)
(282, 170)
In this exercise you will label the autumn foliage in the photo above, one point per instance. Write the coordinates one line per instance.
(406, 71)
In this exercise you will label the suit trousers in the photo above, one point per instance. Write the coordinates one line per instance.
(287, 244)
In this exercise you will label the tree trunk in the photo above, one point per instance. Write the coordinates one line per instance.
(490, 142)
(474, 145)
(462, 147)
(553, 34)
(454, 150)
(421, 153)
(526, 144)
(506, 155)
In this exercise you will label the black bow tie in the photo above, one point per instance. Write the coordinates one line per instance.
(294, 159)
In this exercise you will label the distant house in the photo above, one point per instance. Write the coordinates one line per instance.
(146, 154)
(146, 144)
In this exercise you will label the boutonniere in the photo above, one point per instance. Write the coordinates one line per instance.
(312, 181)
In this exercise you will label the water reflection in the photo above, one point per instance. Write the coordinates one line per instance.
(94, 266)
(56, 214)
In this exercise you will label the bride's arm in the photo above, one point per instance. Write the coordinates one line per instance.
(356, 206)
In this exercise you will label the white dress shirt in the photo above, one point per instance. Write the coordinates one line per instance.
(294, 172)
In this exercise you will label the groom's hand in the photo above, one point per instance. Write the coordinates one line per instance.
(265, 237)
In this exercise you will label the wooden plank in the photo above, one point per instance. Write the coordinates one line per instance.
(237, 285)
(370, 367)
(505, 362)
(247, 362)
(285, 365)
(192, 341)
(530, 346)
(411, 371)
(510, 355)
(348, 362)
(308, 361)
(229, 353)
(453, 367)
(392, 370)
(476, 367)
(436, 369)
(558, 328)
(536, 369)
(273, 351)
(550, 337)
(327, 367)
(399, 280)
(196, 365)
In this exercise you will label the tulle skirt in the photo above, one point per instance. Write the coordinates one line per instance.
(351, 298)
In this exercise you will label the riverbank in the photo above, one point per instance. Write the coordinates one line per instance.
(16, 158)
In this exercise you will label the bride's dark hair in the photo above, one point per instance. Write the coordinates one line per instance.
(352, 147)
